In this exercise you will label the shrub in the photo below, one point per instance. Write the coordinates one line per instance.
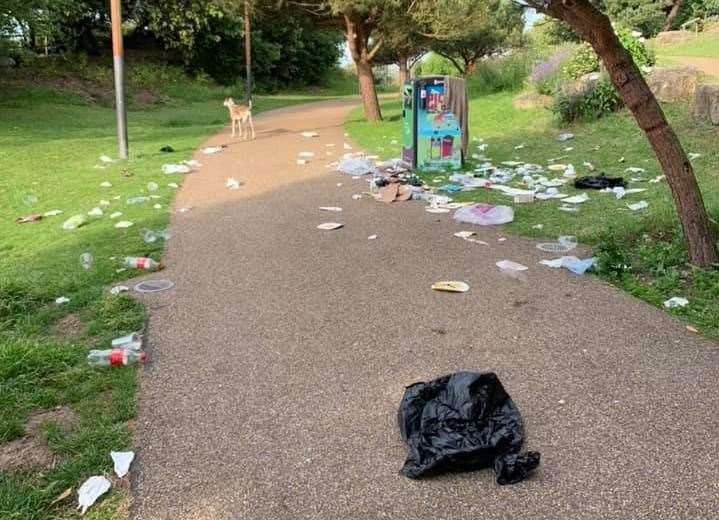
(641, 54)
(545, 76)
(434, 64)
(582, 61)
(589, 104)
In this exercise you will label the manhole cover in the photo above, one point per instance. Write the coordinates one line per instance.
(152, 286)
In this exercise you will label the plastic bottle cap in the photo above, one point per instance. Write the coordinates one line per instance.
(142, 356)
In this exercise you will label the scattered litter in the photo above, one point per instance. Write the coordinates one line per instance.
(339, 185)
(430, 209)
(310, 134)
(356, 196)
(167, 149)
(302, 161)
(621, 159)
(116, 214)
(502, 239)
(588, 165)
(656, 179)
(329, 226)
(565, 137)
(232, 183)
(569, 209)
(141, 199)
(572, 263)
(599, 182)
(692, 329)
(306, 155)
(33, 217)
(157, 206)
(74, 222)
(124, 224)
(62, 496)
(175, 168)
(509, 265)
(212, 150)
(463, 421)
(173, 185)
(356, 165)
(676, 301)
(450, 188)
(569, 149)
(149, 236)
(95, 212)
(538, 226)
(346, 146)
(577, 199)
(106, 184)
(394, 191)
(61, 300)
(142, 262)
(184, 210)
(106, 159)
(638, 205)
(569, 171)
(153, 286)
(372, 237)
(451, 286)
(131, 341)
(119, 289)
(484, 214)
(86, 260)
(634, 169)
(465, 234)
(692, 156)
(104, 202)
(524, 198)
(90, 491)
(152, 186)
(122, 461)
(52, 213)
(330, 208)
(557, 167)
(520, 146)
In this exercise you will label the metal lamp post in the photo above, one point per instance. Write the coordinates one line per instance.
(119, 69)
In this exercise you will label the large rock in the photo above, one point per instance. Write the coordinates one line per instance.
(581, 86)
(531, 100)
(706, 103)
(670, 37)
(674, 84)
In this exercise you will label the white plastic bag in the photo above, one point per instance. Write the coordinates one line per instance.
(356, 165)
(484, 214)
(90, 491)
(122, 461)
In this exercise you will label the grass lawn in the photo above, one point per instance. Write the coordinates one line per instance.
(50, 142)
(640, 251)
(704, 45)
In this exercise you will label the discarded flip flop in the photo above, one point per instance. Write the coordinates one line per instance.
(329, 226)
(451, 286)
(34, 217)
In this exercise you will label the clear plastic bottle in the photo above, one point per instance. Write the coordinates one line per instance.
(142, 262)
(86, 260)
(131, 342)
(114, 357)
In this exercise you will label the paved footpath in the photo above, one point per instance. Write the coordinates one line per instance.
(277, 363)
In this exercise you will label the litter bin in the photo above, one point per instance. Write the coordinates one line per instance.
(434, 116)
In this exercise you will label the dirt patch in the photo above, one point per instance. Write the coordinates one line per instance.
(32, 450)
(69, 326)
(709, 66)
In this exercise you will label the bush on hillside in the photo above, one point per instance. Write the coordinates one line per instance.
(546, 75)
(582, 61)
(592, 103)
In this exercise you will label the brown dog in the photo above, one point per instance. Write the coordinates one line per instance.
(240, 114)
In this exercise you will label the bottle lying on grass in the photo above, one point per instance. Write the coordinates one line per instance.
(116, 356)
(141, 262)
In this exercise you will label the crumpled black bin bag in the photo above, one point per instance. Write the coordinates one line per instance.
(462, 422)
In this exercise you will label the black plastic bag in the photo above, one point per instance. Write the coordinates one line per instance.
(462, 422)
(599, 182)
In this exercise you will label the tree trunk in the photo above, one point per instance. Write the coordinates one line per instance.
(676, 6)
(403, 74)
(248, 53)
(469, 68)
(358, 33)
(595, 27)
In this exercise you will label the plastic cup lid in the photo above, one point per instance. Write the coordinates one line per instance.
(152, 286)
